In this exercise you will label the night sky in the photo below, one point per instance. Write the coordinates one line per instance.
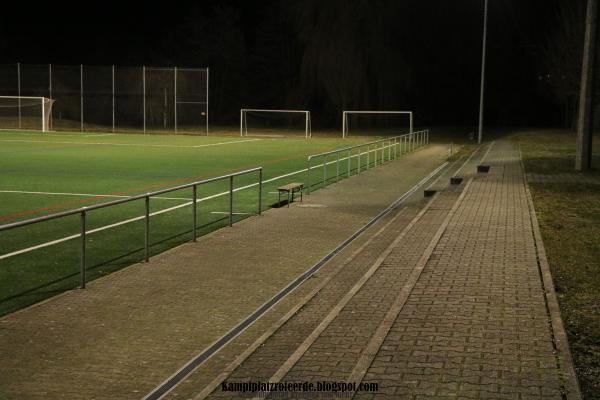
(323, 55)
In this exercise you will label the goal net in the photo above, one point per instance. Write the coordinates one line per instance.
(26, 113)
(376, 123)
(275, 123)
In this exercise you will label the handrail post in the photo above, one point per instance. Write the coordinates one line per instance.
(194, 192)
(231, 200)
(375, 154)
(260, 184)
(337, 167)
(324, 171)
(83, 264)
(147, 229)
(349, 162)
(308, 176)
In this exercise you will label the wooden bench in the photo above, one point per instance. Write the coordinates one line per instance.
(289, 190)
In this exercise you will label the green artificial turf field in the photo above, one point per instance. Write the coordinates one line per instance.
(45, 173)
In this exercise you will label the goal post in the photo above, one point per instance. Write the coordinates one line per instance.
(346, 113)
(245, 111)
(25, 113)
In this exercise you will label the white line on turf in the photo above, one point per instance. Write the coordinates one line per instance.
(129, 144)
(88, 195)
(64, 239)
(11, 132)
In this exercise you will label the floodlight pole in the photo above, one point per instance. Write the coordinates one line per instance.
(585, 118)
(482, 89)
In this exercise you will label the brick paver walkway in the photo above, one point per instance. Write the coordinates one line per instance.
(458, 305)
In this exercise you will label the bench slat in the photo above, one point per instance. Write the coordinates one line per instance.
(291, 186)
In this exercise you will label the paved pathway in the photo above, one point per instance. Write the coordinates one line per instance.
(458, 304)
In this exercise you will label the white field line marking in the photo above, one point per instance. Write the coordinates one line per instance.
(9, 132)
(129, 144)
(127, 221)
(89, 195)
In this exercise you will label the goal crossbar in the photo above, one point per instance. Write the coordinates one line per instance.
(244, 123)
(346, 113)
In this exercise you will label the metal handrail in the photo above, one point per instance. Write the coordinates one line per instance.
(407, 142)
(120, 201)
(82, 212)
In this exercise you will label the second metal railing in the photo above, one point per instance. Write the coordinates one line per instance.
(372, 154)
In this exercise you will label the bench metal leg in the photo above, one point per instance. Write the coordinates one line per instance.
(289, 199)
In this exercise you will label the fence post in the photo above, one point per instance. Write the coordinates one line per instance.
(194, 190)
(144, 95)
(260, 179)
(19, 91)
(81, 95)
(368, 155)
(175, 97)
(50, 93)
(389, 149)
(308, 176)
(337, 168)
(113, 98)
(231, 200)
(359, 160)
(147, 229)
(83, 265)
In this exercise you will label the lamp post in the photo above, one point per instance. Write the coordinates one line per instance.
(482, 89)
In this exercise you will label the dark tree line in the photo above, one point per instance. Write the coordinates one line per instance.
(330, 56)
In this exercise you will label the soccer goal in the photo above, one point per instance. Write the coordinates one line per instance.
(27, 113)
(405, 120)
(275, 122)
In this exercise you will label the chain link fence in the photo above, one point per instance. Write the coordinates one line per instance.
(110, 98)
